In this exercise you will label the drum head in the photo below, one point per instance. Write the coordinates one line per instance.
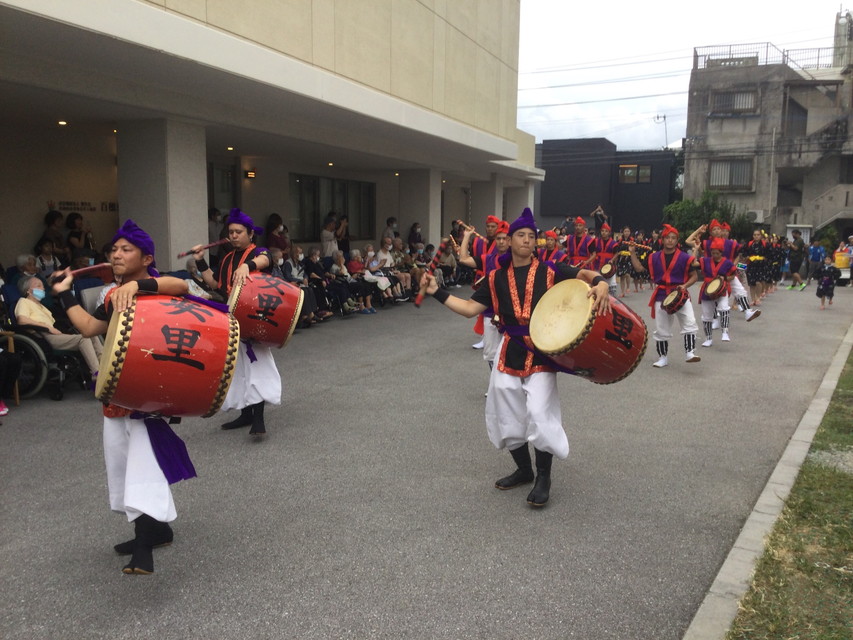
(671, 297)
(562, 317)
(232, 299)
(714, 287)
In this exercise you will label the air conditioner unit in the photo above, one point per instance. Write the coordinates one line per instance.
(756, 216)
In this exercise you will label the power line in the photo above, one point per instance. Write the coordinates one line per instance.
(569, 104)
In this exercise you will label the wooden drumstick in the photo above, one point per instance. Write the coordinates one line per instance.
(184, 254)
(104, 270)
(430, 270)
(470, 228)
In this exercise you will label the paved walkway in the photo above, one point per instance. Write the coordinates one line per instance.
(369, 512)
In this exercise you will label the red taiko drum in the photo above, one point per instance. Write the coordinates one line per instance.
(267, 309)
(168, 356)
(674, 300)
(602, 349)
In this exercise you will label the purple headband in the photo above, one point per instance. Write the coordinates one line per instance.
(235, 216)
(131, 232)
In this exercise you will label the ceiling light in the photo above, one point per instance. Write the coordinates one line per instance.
(62, 123)
(229, 148)
(331, 164)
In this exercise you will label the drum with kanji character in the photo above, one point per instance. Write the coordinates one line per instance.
(602, 349)
(267, 308)
(169, 356)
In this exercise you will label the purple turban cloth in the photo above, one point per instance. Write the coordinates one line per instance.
(524, 221)
(235, 216)
(131, 232)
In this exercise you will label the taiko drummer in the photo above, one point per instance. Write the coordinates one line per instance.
(673, 271)
(143, 455)
(256, 378)
(522, 405)
(717, 274)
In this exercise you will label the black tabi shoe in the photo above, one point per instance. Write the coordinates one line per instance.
(243, 420)
(163, 536)
(258, 427)
(142, 559)
(542, 488)
(522, 475)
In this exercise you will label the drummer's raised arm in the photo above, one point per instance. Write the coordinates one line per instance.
(467, 308)
(203, 268)
(83, 321)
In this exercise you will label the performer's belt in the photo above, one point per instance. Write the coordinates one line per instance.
(754, 258)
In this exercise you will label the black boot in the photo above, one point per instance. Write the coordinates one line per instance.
(244, 419)
(542, 489)
(163, 536)
(142, 560)
(520, 476)
(258, 426)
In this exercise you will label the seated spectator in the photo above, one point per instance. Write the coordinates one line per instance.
(53, 232)
(357, 269)
(419, 266)
(197, 285)
(403, 265)
(374, 272)
(79, 238)
(448, 266)
(46, 261)
(27, 266)
(274, 237)
(426, 260)
(294, 273)
(360, 290)
(31, 312)
(324, 283)
(415, 237)
(385, 256)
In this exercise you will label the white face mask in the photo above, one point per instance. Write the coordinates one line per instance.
(280, 261)
(300, 257)
(280, 228)
(370, 254)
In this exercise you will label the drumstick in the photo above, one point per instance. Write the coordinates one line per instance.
(430, 270)
(100, 269)
(467, 226)
(184, 254)
(641, 246)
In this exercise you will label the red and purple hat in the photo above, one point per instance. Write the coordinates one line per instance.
(131, 232)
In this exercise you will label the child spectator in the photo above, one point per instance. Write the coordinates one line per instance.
(826, 276)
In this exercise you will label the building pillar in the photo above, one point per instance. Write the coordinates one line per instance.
(162, 184)
(517, 198)
(420, 201)
(487, 199)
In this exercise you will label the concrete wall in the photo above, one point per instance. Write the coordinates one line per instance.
(455, 57)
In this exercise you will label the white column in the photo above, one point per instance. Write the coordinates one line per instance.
(162, 184)
(420, 201)
(517, 198)
(487, 199)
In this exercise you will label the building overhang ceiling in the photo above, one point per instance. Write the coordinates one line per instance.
(51, 70)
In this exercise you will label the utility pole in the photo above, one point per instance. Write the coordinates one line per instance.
(659, 119)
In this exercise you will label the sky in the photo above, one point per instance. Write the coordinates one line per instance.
(585, 67)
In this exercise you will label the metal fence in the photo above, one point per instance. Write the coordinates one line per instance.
(761, 53)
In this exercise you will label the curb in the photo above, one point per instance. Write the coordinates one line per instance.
(720, 606)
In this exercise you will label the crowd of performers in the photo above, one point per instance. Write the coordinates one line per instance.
(144, 456)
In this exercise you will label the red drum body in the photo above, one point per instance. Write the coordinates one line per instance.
(676, 299)
(715, 288)
(168, 356)
(607, 271)
(267, 309)
(602, 349)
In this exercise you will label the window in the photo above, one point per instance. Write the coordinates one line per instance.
(635, 173)
(314, 198)
(734, 102)
(731, 175)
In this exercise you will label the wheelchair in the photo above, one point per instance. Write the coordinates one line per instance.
(41, 364)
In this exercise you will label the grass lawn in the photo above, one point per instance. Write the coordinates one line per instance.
(803, 584)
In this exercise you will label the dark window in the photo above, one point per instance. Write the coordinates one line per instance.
(635, 173)
(731, 174)
(314, 197)
(734, 102)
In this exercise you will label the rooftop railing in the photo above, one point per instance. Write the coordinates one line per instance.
(761, 53)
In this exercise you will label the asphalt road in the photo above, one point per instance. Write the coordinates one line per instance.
(369, 510)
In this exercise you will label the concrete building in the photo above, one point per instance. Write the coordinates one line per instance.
(374, 108)
(633, 187)
(768, 129)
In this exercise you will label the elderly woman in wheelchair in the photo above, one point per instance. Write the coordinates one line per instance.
(30, 312)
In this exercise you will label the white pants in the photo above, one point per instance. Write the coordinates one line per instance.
(737, 288)
(135, 480)
(663, 321)
(709, 306)
(253, 382)
(491, 340)
(522, 410)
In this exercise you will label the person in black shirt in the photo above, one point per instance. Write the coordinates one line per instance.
(522, 404)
